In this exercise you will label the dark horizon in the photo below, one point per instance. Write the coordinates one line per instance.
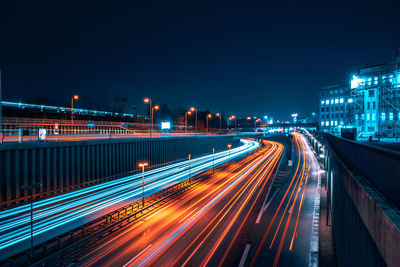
(238, 59)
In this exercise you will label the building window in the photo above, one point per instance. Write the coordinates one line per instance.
(336, 101)
(374, 105)
(391, 78)
(356, 117)
(322, 123)
(369, 81)
(368, 105)
(376, 80)
(341, 115)
(332, 101)
(362, 116)
(390, 116)
(341, 100)
(326, 123)
(322, 102)
(322, 109)
(336, 108)
(373, 116)
(335, 123)
(367, 116)
(371, 93)
(331, 123)
(383, 116)
(341, 107)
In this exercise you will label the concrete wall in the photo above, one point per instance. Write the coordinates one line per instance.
(365, 223)
(63, 166)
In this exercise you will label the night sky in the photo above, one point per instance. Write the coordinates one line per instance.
(268, 57)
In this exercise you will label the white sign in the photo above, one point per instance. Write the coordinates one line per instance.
(42, 134)
(56, 128)
(165, 125)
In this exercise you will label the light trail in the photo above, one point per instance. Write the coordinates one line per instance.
(186, 224)
(70, 210)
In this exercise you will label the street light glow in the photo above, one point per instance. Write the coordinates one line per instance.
(143, 164)
(192, 109)
(146, 100)
(76, 97)
(156, 107)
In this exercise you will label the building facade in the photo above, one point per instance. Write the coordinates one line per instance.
(375, 92)
(335, 108)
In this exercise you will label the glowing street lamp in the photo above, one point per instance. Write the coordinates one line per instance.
(234, 118)
(229, 153)
(74, 98)
(186, 114)
(219, 115)
(193, 109)
(209, 116)
(142, 165)
(148, 101)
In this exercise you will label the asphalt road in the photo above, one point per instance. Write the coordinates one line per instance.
(59, 214)
(244, 216)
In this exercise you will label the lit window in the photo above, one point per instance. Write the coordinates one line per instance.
(322, 123)
(356, 117)
(327, 123)
(390, 116)
(336, 101)
(350, 100)
(373, 116)
(322, 102)
(391, 78)
(367, 116)
(331, 123)
(376, 80)
(335, 123)
(369, 81)
(362, 116)
(341, 100)
(331, 101)
(383, 116)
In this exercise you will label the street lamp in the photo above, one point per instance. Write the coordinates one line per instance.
(142, 165)
(148, 101)
(229, 153)
(189, 165)
(30, 187)
(232, 118)
(209, 116)
(74, 98)
(156, 107)
(186, 114)
(193, 109)
(213, 160)
(219, 115)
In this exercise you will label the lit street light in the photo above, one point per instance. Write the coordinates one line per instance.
(219, 115)
(74, 98)
(148, 101)
(193, 109)
(142, 165)
(229, 153)
(209, 116)
(30, 187)
(186, 114)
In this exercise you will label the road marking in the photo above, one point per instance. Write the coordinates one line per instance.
(126, 264)
(264, 208)
(244, 256)
(313, 257)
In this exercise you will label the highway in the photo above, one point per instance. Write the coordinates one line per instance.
(62, 213)
(202, 227)
(244, 215)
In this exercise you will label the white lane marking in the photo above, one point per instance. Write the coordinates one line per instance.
(313, 257)
(244, 256)
(126, 264)
(263, 209)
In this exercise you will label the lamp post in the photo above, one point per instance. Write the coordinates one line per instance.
(219, 115)
(30, 187)
(229, 152)
(142, 165)
(148, 101)
(193, 109)
(209, 116)
(213, 160)
(74, 98)
(233, 118)
(189, 165)
(156, 107)
(186, 114)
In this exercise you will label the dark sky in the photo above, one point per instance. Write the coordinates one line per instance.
(268, 57)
